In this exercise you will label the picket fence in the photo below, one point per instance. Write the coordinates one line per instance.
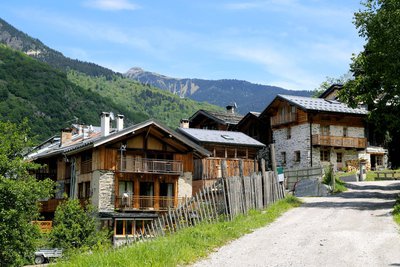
(225, 199)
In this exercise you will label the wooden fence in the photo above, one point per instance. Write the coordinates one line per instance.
(388, 175)
(226, 198)
(293, 176)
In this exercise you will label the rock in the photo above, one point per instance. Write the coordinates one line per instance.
(311, 188)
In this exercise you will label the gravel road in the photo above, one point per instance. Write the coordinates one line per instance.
(354, 228)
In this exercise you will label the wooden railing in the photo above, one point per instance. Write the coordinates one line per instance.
(153, 203)
(44, 226)
(339, 141)
(142, 165)
(45, 175)
(287, 118)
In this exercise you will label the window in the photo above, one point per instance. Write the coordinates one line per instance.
(339, 157)
(87, 189)
(80, 190)
(324, 130)
(86, 162)
(324, 155)
(345, 132)
(125, 187)
(297, 156)
(288, 133)
(283, 158)
(119, 227)
(379, 160)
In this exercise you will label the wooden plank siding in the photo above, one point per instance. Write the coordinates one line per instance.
(211, 168)
(339, 141)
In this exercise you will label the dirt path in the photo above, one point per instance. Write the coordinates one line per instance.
(354, 228)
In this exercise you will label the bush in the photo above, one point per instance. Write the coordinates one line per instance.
(76, 227)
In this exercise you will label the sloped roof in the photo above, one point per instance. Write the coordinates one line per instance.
(320, 104)
(220, 137)
(95, 140)
(222, 117)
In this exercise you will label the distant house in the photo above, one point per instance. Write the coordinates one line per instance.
(232, 154)
(129, 174)
(318, 131)
(256, 127)
(213, 120)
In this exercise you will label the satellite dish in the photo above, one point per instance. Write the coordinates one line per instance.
(112, 117)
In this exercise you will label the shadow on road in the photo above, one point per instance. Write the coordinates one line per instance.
(361, 197)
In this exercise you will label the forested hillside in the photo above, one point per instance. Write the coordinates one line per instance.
(20, 41)
(136, 97)
(51, 99)
(34, 90)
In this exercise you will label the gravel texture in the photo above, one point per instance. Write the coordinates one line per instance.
(354, 228)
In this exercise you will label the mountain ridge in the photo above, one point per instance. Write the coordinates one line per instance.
(248, 96)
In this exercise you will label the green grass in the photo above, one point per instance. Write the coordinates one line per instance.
(185, 246)
(396, 211)
(339, 186)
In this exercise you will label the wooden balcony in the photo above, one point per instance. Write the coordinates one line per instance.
(130, 202)
(142, 165)
(287, 118)
(211, 168)
(339, 141)
(50, 205)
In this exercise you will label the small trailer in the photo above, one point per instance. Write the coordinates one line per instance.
(44, 255)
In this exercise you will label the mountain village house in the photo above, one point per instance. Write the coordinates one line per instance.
(129, 174)
(232, 154)
(320, 131)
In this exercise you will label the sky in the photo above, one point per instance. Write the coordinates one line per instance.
(294, 44)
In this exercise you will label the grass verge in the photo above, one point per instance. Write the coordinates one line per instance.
(396, 211)
(185, 246)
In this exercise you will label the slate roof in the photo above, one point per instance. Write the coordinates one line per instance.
(78, 143)
(223, 117)
(320, 104)
(220, 137)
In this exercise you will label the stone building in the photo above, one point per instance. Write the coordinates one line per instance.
(130, 175)
(320, 131)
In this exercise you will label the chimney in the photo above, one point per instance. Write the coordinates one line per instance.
(120, 122)
(230, 109)
(184, 123)
(105, 123)
(66, 135)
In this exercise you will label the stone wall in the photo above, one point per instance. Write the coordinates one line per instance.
(299, 141)
(103, 190)
(185, 185)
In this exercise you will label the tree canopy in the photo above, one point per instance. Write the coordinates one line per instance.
(376, 69)
(19, 195)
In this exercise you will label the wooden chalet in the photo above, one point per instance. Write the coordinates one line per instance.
(255, 127)
(213, 120)
(232, 154)
(129, 174)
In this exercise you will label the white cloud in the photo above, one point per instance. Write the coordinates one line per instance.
(111, 4)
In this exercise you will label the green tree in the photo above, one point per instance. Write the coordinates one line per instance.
(19, 195)
(376, 77)
(329, 82)
(76, 227)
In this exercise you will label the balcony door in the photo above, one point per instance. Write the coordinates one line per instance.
(167, 193)
(146, 195)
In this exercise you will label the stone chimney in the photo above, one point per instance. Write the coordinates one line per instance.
(184, 123)
(120, 122)
(105, 123)
(66, 135)
(230, 109)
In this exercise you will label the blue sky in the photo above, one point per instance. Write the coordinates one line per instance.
(289, 43)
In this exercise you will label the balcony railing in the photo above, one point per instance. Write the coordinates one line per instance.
(339, 141)
(142, 165)
(44, 175)
(151, 203)
(286, 118)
